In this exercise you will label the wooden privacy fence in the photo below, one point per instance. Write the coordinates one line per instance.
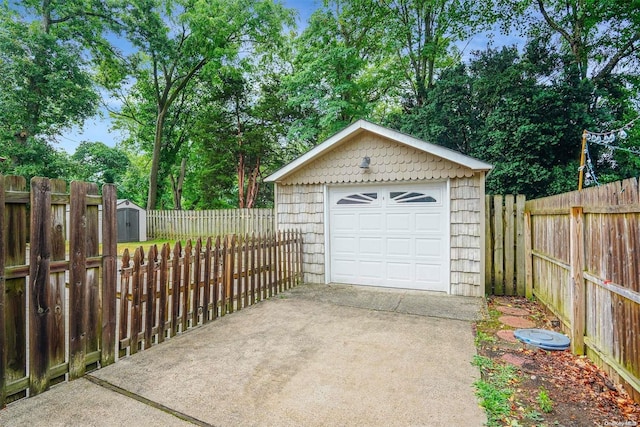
(584, 265)
(505, 272)
(174, 290)
(63, 312)
(36, 347)
(181, 225)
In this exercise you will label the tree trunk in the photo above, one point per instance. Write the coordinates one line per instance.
(177, 186)
(253, 185)
(155, 162)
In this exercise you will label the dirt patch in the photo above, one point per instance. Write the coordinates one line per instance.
(552, 388)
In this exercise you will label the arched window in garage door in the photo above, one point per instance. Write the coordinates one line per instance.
(358, 199)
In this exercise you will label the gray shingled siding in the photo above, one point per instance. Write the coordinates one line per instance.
(301, 207)
(466, 216)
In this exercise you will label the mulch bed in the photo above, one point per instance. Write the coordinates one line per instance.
(581, 393)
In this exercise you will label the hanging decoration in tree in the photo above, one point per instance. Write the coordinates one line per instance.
(605, 139)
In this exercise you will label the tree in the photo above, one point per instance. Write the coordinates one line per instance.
(340, 72)
(181, 41)
(46, 88)
(511, 110)
(421, 34)
(240, 135)
(99, 163)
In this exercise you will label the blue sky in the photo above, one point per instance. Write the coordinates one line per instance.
(97, 129)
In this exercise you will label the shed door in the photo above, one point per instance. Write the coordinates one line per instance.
(128, 225)
(392, 235)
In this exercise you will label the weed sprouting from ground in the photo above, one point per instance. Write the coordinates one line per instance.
(494, 388)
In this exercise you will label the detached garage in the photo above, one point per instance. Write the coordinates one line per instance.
(380, 208)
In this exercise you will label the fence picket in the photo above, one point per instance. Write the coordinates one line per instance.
(125, 295)
(136, 290)
(176, 225)
(175, 287)
(40, 298)
(155, 293)
(206, 295)
(150, 296)
(216, 277)
(186, 285)
(3, 299)
(57, 280)
(163, 308)
(78, 313)
(197, 280)
(109, 275)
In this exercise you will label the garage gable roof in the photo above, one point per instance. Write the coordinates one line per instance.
(362, 126)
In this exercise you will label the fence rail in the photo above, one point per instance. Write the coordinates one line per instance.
(182, 225)
(584, 266)
(63, 312)
(175, 290)
(35, 304)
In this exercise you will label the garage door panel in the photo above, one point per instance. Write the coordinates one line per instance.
(398, 222)
(345, 268)
(430, 276)
(429, 247)
(370, 270)
(372, 246)
(399, 246)
(428, 222)
(344, 245)
(345, 222)
(370, 221)
(399, 272)
(384, 241)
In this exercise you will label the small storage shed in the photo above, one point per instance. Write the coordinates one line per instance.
(380, 208)
(131, 221)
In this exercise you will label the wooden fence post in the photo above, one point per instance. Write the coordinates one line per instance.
(498, 246)
(528, 256)
(520, 246)
(58, 280)
(77, 280)
(41, 306)
(488, 245)
(576, 232)
(509, 245)
(3, 352)
(109, 275)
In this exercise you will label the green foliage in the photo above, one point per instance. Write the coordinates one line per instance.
(99, 163)
(515, 111)
(494, 388)
(33, 157)
(182, 49)
(545, 402)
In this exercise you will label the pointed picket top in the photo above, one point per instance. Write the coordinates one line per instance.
(177, 250)
(126, 258)
(166, 250)
(138, 257)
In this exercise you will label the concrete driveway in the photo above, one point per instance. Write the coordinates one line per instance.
(317, 355)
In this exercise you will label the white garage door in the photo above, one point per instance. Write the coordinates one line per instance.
(393, 235)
